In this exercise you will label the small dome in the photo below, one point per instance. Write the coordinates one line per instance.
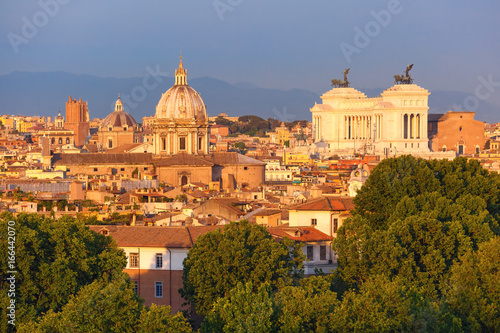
(181, 101)
(118, 117)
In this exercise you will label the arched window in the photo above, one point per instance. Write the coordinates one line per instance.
(53, 140)
(67, 141)
(60, 141)
(444, 148)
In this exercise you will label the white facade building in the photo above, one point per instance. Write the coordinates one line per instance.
(395, 122)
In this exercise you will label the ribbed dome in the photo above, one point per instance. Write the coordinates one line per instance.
(118, 117)
(181, 101)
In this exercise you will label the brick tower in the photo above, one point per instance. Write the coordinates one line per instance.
(77, 120)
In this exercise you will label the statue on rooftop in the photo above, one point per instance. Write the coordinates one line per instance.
(405, 78)
(342, 84)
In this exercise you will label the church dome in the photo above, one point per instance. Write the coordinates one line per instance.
(181, 101)
(118, 118)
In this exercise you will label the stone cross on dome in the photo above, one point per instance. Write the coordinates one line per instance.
(181, 74)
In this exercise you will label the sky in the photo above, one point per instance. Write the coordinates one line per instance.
(282, 44)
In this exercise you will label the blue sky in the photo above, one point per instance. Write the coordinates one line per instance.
(273, 44)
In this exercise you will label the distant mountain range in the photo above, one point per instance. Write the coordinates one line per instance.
(44, 93)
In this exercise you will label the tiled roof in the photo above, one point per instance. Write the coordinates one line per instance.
(326, 203)
(268, 212)
(233, 158)
(123, 148)
(102, 158)
(183, 159)
(299, 234)
(169, 237)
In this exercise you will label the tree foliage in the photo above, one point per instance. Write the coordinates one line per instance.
(474, 293)
(54, 260)
(382, 305)
(161, 319)
(306, 308)
(396, 178)
(415, 218)
(309, 307)
(243, 310)
(422, 226)
(240, 253)
(109, 306)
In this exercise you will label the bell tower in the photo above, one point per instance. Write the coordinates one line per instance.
(77, 120)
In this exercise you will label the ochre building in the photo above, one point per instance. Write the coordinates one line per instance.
(457, 131)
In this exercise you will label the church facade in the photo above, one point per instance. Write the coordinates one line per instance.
(393, 123)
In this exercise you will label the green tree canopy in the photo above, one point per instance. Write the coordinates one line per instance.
(54, 260)
(474, 293)
(309, 307)
(396, 178)
(243, 310)
(240, 253)
(109, 306)
(306, 308)
(382, 305)
(414, 219)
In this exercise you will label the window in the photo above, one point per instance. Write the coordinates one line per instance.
(67, 141)
(133, 260)
(314, 221)
(310, 253)
(136, 287)
(182, 143)
(163, 144)
(158, 289)
(122, 169)
(95, 169)
(245, 168)
(335, 225)
(53, 141)
(200, 143)
(460, 128)
(159, 260)
(60, 141)
(322, 252)
(110, 143)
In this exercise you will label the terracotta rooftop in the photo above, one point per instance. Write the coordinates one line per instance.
(102, 158)
(183, 159)
(233, 158)
(299, 234)
(326, 203)
(140, 236)
(123, 148)
(268, 212)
